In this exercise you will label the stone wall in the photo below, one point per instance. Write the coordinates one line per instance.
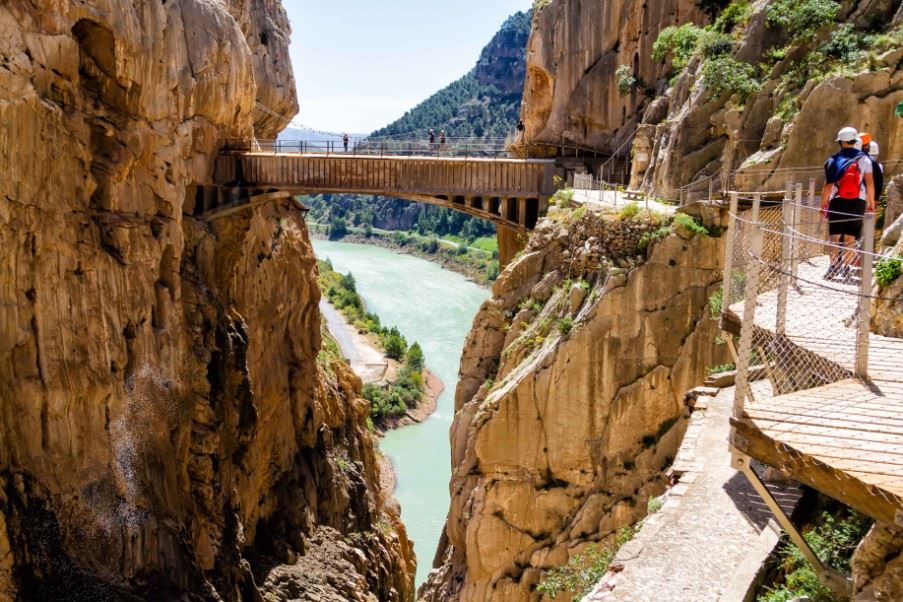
(166, 427)
(563, 432)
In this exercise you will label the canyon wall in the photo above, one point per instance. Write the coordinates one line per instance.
(570, 403)
(166, 426)
(571, 92)
(768, 111)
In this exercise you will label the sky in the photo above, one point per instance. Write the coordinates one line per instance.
(360, 64)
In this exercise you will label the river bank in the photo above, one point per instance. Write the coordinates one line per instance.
(475, 273)
(436, 308)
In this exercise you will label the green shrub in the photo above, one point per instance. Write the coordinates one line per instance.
(626, 80)
(802, 19)
(630, 211)
(541, 4)
(583, 571)
(833, 541)
(563, 198)
(736, 13)
(565, 326)
(726, 75)
(712, 7)
(846, 44)
(714, 44)
(688, 223)
(679, 43)
(395, 345)
(888, 269)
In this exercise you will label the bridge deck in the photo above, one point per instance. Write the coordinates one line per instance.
(508, 191)
(844, 438)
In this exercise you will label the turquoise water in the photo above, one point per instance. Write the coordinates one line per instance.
(436, 308)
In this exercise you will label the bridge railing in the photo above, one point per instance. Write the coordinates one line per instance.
(801, 302)
(451, 147)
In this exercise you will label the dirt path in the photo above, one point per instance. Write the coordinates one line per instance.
(711, 536)
(367, 361)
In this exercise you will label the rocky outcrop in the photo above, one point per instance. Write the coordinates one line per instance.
(569, 406)
(166, 428)
(571, 93)
(887, 305)
(878, 565)
(787, 126)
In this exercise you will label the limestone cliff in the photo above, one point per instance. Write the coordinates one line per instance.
(755, 103)
(571, 93)
(569, 406)
(166, 429)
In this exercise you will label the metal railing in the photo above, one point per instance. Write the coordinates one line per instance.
(803, 302)
(452, 147)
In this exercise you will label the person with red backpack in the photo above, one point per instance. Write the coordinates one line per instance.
(848, 194)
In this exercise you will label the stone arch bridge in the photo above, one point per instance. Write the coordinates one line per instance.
(512, 193)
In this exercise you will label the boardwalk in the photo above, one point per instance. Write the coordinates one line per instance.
(510, 192)
(813, 419)
(843, 438)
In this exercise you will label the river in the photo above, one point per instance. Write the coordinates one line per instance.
(434, 307)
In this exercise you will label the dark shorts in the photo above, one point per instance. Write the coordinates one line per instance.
(845, 217)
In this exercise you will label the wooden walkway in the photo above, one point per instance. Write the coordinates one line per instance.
(510, 192)
(844, 438)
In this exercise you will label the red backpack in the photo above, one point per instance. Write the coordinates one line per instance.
(849, 185)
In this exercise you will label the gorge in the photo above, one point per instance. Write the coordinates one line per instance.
(171, 428)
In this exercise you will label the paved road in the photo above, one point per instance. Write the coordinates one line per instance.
(366, 361)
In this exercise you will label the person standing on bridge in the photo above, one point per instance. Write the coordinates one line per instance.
(345, 141)
(848, 194)
(442, 140)
(432, 137)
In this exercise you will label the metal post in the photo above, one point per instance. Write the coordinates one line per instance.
(729, 255)
(786, 217)
(742, 390)
(865, 296)
(826, 575)
(812, 200)
(795, 225)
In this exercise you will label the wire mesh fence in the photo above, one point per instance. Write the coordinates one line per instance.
(799, 299)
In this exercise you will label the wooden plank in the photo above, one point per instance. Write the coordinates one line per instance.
(849, 489)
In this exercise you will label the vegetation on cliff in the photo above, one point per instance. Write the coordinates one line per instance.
(395, 398)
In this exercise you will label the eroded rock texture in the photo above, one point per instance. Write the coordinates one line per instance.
(571, 93)
(780, 132)
(569, 406)
(166, 429)
(878, 565)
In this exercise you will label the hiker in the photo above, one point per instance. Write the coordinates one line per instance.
(432, 137)
(870, 147)
(345, 141)
(848, 193)
(441, 140)
(521, 128)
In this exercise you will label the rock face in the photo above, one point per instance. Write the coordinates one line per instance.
(166, 426)
(878, 565)
(569, 406)
(684, 132)
(785, 129)
(887, 307)
(571, 93)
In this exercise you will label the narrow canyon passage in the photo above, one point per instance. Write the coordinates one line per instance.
(435, 308)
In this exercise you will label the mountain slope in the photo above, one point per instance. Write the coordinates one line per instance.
(483, 103)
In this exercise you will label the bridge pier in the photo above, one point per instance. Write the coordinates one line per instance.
(511, 242)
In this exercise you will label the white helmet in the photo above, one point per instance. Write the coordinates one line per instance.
(874, 149)
(848, 134)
